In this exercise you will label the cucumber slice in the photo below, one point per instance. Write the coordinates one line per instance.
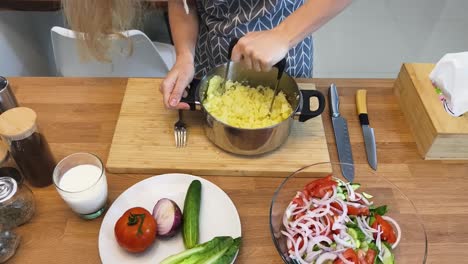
(364, 246)
(353, 233)
(341, 196)
(355, 186)
(387, 257)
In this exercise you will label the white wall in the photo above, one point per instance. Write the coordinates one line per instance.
(372, 38)
(25, 43)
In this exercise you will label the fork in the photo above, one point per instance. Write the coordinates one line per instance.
(180, 132)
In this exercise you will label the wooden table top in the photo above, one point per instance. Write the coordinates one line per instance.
(80, 115)
(53, 5)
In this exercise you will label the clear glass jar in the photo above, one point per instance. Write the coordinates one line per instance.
(27, 145)
(9, 242)
(17, 204)
(8, 166)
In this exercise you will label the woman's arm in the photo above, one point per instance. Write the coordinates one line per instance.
(260, 50)
(184, 29)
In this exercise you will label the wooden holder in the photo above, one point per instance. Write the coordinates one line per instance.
(438, 135)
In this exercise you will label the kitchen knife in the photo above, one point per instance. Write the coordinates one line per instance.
(340, 128)
(367, 131)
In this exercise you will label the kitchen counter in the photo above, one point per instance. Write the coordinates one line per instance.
(80, 115)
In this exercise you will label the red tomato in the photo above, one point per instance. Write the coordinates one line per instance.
(363, 210)
(299, 201)
(352, 210)
(370, 256)
(337, 206)
(296, 237)
(319, 188)
(388, 233)
(299, 215)
(350, 255)
(331, 220)
(362, 257)
(135, 230)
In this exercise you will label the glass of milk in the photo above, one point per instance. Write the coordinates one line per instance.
(80, 180)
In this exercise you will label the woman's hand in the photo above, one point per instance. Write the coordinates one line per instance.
(173, 86)
(261, 50)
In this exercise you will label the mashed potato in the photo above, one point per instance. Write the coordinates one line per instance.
(243, 106)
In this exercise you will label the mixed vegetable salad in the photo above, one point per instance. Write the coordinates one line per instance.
(330, 222)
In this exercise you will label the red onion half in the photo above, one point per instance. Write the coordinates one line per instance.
(168, 217)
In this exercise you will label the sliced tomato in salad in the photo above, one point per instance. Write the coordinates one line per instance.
(319, 188)
(298, 201)
(370, 256)
(363, 210)
(349, 255)
(331, 221)
(366, 257)
(299, 215)
(352, 210)
(362, 257)
(388, 234)
(300, 245)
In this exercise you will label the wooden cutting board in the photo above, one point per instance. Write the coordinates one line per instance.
(144, 142)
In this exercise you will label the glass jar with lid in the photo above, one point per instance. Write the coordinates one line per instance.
(17, 204)
(27, 145)
(8, 166)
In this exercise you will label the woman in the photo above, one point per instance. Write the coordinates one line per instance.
(268, 30)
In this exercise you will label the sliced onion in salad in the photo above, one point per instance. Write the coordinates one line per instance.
(326, 257)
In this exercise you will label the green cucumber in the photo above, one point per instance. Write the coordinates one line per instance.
(341, 196)
(191, 216)
(387, 256)
(364, 246)
(354, 235)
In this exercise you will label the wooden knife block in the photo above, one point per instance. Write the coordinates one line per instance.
(438, 135)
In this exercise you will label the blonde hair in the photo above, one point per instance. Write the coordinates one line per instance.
(99, 19)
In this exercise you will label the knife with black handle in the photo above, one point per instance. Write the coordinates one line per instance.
(340, 128)
(367, 131)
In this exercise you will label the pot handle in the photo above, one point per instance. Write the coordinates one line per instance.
(192, 98)
(306, 113)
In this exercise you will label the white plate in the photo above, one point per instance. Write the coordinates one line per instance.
(218, 216)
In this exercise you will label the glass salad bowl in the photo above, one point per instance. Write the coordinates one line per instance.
(307, 219)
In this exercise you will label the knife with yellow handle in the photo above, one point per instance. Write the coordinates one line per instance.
(367, 131)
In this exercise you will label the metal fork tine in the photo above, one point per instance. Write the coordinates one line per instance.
(180, 132)
(179, 138)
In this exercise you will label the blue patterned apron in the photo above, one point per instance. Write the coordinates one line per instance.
(221, 20)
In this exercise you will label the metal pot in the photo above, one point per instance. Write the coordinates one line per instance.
(253, 141)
